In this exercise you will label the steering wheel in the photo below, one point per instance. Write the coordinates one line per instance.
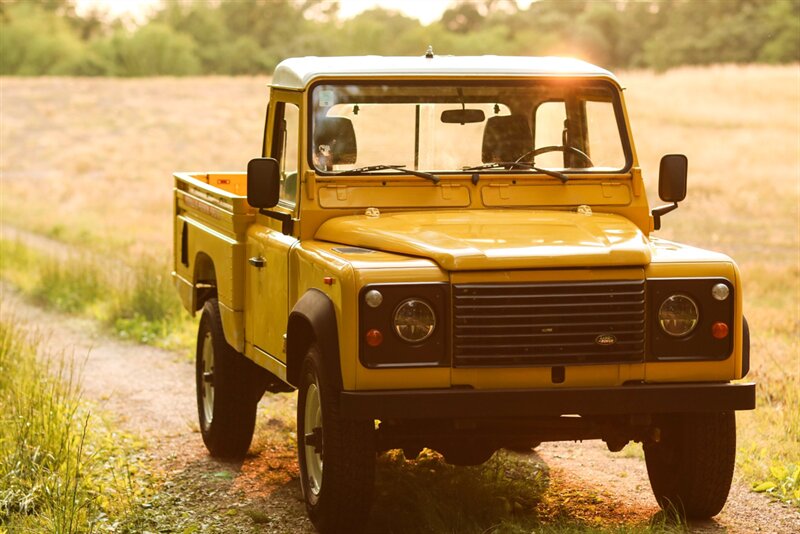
(554, 148)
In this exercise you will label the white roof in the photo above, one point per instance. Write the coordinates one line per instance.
(297, 73)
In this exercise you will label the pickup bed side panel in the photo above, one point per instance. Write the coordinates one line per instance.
(210, 250)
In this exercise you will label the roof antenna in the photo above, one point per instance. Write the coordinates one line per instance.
(429, 52)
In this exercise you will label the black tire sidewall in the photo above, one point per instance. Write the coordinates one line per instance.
(310, 375)
(345, 495)
(691, 469)
(231, 429)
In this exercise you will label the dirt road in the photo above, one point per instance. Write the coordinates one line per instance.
(150, 392)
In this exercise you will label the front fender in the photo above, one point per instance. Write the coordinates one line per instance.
(313, 320)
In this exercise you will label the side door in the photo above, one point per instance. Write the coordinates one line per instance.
(271, 238)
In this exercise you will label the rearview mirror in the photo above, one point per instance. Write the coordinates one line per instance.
(263, 182)
(462, 116)
(672, 177)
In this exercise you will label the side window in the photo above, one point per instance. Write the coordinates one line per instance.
(604, 136)
(284, 148)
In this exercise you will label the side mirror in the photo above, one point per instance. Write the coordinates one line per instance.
(672, 177)
(263, 182)
(671, 184)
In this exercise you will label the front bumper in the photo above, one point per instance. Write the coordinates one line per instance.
(622, 400)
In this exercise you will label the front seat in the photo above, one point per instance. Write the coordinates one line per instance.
(334, 142)
(506, 138)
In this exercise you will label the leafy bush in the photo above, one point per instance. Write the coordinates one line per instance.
(34, 42)
(154, 49)
(783, 483)
(428, 495)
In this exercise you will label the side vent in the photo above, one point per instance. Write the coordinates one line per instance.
(185, 244)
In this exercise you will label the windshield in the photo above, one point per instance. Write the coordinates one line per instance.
(563, 125)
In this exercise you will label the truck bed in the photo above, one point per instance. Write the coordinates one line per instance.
(210, 237)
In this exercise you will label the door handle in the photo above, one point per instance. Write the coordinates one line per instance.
(257, 262)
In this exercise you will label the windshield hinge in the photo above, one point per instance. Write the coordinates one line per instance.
(311, 184)
(636, 179)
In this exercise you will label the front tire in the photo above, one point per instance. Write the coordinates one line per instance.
(336, 455)
(691, 467)
(226, 393)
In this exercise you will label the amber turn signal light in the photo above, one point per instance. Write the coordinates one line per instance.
(374, 337)
(719, 330)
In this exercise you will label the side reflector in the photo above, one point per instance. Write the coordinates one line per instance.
(719, 330)
(374, 337)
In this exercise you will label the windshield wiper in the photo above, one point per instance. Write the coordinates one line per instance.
(400, 168)
(511, 164)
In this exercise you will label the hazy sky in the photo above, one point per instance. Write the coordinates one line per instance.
(426, 11)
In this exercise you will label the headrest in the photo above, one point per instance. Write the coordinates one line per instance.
(506, 138)
(338, 135)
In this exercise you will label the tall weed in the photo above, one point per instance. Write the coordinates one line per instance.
(72, 285)
(61, 469)
(146, 308)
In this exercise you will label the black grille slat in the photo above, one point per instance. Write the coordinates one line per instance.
(547, 306)
(547, 335)
(548, 323)
(518, 315)
(574, 324)
(549, 295)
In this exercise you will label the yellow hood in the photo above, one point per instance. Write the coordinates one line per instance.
(466, 240)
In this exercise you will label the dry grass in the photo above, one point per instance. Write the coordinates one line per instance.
(90, 161)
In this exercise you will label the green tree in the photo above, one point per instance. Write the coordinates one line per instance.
(154, 49)
(782, 24)
(35, 41)
(723, 31)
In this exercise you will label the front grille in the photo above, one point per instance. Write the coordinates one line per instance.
(548, 323)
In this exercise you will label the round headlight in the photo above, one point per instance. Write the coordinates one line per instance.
(414, 320)
(678, 315)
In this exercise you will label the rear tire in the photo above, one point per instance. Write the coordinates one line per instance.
(691, 467)
(340, 500)
(227, 396)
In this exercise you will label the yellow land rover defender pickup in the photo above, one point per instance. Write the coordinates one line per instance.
(458, 253)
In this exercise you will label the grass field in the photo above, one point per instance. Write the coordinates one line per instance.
(89, 162)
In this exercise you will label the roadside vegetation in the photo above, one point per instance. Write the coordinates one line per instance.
(136, 301)
(63, 469)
